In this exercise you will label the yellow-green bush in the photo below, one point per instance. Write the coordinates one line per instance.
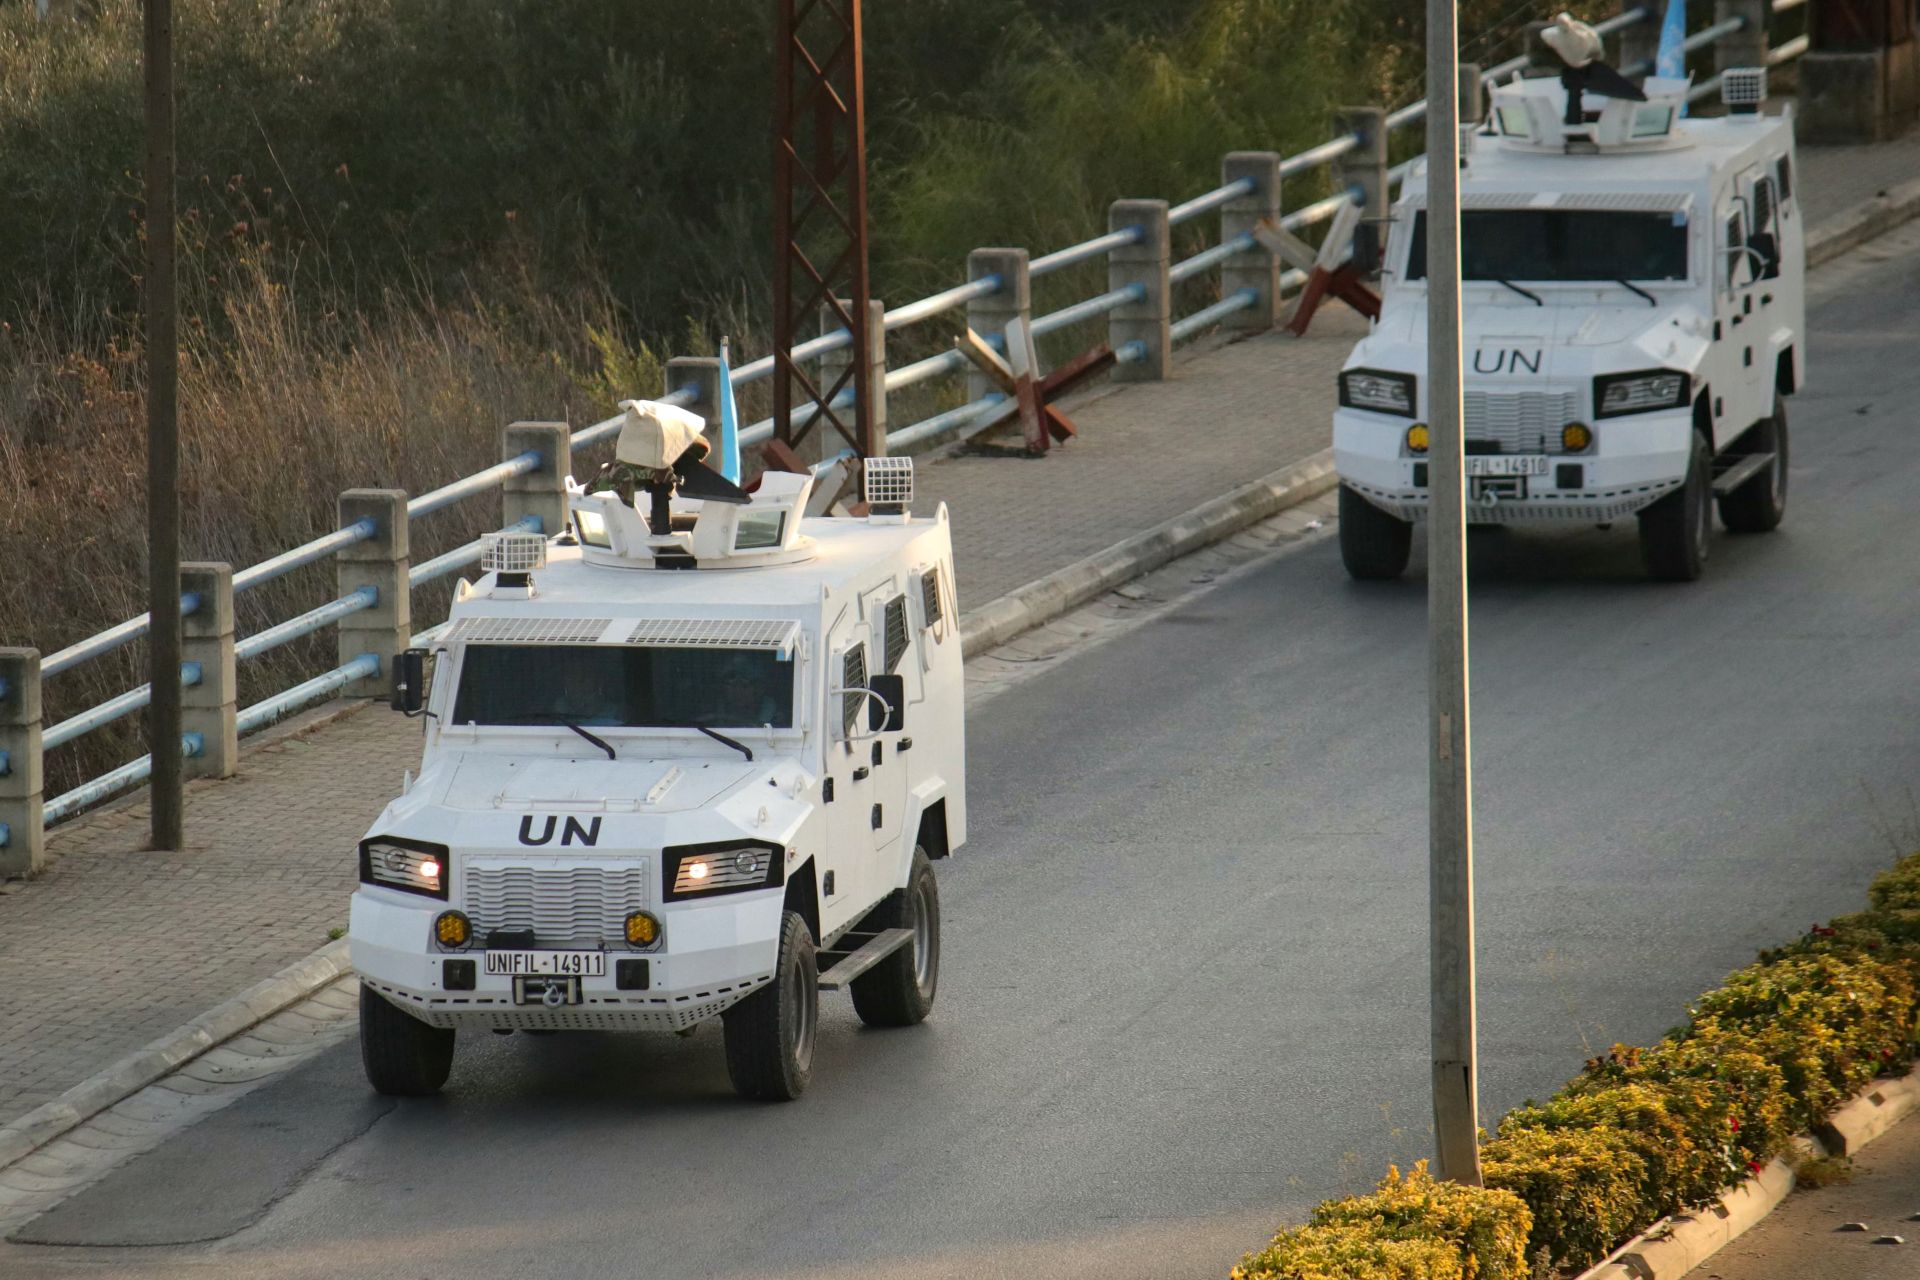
(1641, 1133)
(1409, 1228)
(1581, 1186)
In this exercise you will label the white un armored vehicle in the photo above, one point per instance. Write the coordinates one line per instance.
(1634, 318)
(693, 758)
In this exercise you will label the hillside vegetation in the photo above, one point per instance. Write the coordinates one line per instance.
(407, 222)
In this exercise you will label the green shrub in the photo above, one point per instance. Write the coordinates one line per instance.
(1488, 1227)
(1684, 1132)
(1583, 1188)
(1897, 889)
(1350, 1253)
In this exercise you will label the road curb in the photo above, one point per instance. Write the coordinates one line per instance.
(1862, 223)
(22, 1137)
(1673, 1246)
(1070, 587)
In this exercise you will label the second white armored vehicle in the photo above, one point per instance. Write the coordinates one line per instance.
(695, 758)
(1634, 320)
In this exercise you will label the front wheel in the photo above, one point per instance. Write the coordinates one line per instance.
(403, 1056)
(898, 992)
(769, 1035)
(1760, 504)
(1374, 545)
(1674, 531)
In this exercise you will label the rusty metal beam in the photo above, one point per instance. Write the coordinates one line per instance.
(820, 217)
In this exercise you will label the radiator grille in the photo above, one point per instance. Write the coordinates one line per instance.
(561, 904)
(1521, 421)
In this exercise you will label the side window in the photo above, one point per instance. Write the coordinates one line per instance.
(1736, 241)
(1784, 170)
(853, 676)
(931, 610)
(896, 632)
(1763, 206)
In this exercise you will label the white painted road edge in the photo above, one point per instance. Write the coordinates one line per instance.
(1672, 1247)
(994, 624)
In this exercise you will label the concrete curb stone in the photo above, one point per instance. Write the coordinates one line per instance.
(137, 1070)
(1674, 1246)
(1077, 583)
(1854, 228)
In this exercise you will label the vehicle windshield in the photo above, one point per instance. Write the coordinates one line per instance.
(624, 686)
(1561, 244)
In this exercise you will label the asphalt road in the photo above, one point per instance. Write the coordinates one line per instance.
(1183, 995)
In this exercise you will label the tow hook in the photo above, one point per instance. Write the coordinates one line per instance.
(554, 996)
(1489, 499)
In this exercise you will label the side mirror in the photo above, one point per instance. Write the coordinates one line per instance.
(887, 709)
(410, 682)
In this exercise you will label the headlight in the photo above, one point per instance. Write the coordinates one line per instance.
(704, 870)
(1378, 391)
(416, 867)
(1615, 394)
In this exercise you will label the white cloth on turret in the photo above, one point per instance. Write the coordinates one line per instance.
(655, 435)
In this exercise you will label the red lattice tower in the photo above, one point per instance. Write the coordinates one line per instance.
(820, 218)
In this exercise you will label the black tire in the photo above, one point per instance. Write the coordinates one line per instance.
(1676, 530)
(403, 1056)
(899, 991)
(1760, 504)
(770, 1034)
(1374, 545)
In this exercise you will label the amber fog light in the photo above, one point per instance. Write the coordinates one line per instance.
(1576, 437)
(642, 929)
(451, 929)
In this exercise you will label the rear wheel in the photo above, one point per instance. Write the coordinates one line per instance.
(1759, 505)
(403, 1056)
(769, 1035)
(1674, 531)
(898, 992)
(1374, 545)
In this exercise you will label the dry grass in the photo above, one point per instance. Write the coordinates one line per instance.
(299, 403)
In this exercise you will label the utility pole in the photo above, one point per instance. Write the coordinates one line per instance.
(1456, 1122)
(163, 440)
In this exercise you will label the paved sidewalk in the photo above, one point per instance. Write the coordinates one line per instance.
(1804, 1238)
(114, 947)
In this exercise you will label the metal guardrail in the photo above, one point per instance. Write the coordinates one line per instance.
(939, 426)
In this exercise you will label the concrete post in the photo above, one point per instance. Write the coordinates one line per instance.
(1746, 47)
(1641, 41)
(542, 491)
(381, 563)
(1258, 268)
(209, 707)
(989, 316)
(701, 375)
(1145, 263)
(1364, 170)
(23, 841)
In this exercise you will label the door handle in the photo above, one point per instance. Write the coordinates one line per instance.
(860, 773)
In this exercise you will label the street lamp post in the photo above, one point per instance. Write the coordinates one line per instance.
(163, 445)
(1449, 779)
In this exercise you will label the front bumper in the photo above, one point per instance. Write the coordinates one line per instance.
(715, 954)
(1635, 461)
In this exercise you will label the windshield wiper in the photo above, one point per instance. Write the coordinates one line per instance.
(596, 740)
(715, 734)
(1628, 284)
(1538, 301)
